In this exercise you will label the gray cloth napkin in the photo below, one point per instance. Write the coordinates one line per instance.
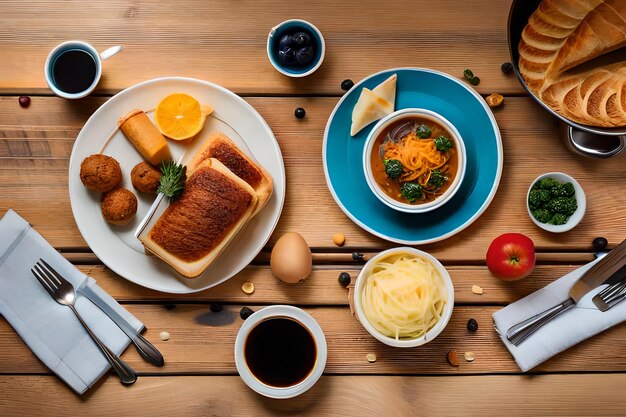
(49, 329)
(563, 332)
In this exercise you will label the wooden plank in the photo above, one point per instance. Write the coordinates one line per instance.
(485, 396)
(202, 342)
(225, 42)
(35, 144)
(322, 286)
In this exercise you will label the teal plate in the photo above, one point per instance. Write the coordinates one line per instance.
(454, 100)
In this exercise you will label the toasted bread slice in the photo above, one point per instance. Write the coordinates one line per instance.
(220, 147)
(194, 229)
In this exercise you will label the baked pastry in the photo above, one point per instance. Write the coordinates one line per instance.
(100, 173)
(196, 227)
(145, 177)
(220, 147)
(558, 42)
(119, 206)
(145, 137)
(374, 104)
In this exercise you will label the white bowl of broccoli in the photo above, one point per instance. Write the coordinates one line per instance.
(556, 202)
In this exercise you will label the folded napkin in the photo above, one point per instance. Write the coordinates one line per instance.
(563, 332)
(51, 330)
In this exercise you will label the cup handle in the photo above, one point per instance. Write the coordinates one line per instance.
(110, 52)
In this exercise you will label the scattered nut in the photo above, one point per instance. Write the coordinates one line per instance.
(453, 358)
(247, 287)
(339, 239)
(494, 100)
(371, 358)
(477, 290)
(164, 336)
(469, 356)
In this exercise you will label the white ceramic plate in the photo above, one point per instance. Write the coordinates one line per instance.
(116, 246)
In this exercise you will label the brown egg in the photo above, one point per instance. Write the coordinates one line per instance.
(291, 260)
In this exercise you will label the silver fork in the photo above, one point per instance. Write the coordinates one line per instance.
(62, 291)
(610, 296)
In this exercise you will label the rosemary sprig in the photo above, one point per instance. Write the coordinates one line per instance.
(173, 177)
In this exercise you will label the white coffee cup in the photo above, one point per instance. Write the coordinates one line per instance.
(80, 46)
(277, 312)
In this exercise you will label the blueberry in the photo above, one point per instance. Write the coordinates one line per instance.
(287, 56)
(284, 42)
(472, 325)
(300, 113)
(245, 313)
(304, 55)
(507, 67)
(347, 84)
(600, 244)
(301, 39)
(344, 279)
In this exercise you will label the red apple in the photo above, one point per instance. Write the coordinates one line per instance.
(511, 256)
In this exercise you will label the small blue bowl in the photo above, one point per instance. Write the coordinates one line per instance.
(291, 26)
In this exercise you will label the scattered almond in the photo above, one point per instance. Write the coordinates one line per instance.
(339, 239)
(453, 358)
(494, 100)
(371, 358)
(477, 290)
(247, 287)
(469, 356)
(164, 336)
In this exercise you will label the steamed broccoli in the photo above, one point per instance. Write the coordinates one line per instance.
(558, 219)
(563, 205)
(437, 179)
(542, 215)
(563, 190)
(423, 131)
(537, 198)
(547, 183)
(443, 144)
(411, 191)
(393, 168)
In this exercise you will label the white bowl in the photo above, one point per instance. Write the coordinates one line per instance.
(272, 312)
(367, 166)
(405, 343)
(574, 218)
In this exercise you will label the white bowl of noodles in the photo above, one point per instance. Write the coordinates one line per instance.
(404, 297)
(429, 157)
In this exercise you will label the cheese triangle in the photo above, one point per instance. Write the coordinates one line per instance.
(369, 108)
(387, 89)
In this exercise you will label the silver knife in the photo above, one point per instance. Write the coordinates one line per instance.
(144, 347)
(595, 276)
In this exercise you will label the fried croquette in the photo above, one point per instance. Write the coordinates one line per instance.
(145, 177)
(119, 206)
(100, 173)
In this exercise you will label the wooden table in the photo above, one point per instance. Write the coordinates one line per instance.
(224, 42)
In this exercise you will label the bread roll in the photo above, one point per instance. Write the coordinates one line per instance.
(196, 227)
(561, 36)
(220, 147)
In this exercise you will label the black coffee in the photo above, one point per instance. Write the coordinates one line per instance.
(280, 352)
(74, 71)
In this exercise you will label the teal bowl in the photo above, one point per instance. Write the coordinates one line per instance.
(291, 26)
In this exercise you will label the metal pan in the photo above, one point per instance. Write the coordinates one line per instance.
(582, 139)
